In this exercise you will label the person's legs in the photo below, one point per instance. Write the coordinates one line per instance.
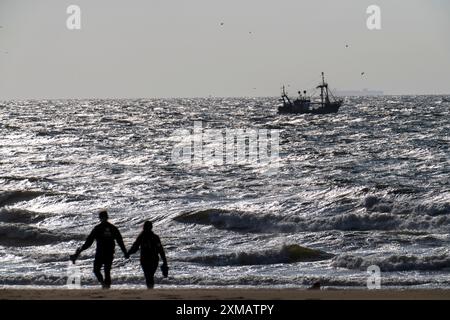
(149, 268)
(97, 270)
(148, 276)
(108, 264)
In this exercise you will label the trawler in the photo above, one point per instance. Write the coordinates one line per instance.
(304, 104)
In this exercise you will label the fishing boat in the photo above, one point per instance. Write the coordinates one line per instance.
(304, 104)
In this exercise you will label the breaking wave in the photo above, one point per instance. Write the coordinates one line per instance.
(394, 262)
(234, 220)
(29, 179)
(52, 258)
(286, 254)
(20, 216)
(379, 204)
(235, 280)
(435, 218)
(22, 235)
(13, 197)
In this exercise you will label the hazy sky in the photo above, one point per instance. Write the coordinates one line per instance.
(178, 48)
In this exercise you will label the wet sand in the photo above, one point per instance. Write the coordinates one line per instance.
(222, 294)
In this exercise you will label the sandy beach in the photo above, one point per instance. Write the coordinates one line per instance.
(222, 294)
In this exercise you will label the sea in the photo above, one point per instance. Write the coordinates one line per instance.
(351, 199)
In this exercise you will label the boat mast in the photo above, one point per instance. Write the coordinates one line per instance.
(326, 87)
(284, 96)
(322, 87)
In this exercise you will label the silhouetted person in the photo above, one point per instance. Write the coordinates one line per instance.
(151, 249)
(106, 235)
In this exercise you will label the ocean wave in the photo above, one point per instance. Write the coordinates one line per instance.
(9, 198)
(13, 197)
(234, 280)
(404, 207)
(287, 254)
(21, 178)
(33, 280)
(50, 133)
(22, 235)
(330, 164)
(52, 257)
(394, 262)
(262, 223)
(20, 216)
(234, 220)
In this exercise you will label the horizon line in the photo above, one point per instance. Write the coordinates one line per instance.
(212, 96)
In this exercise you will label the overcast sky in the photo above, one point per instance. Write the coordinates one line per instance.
(178, 48)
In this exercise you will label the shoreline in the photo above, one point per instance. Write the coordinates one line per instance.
(222, 294)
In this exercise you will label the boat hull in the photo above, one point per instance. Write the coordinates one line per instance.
(331, 107)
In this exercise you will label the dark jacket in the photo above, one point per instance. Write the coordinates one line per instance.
(150, 246)
(105, 234)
